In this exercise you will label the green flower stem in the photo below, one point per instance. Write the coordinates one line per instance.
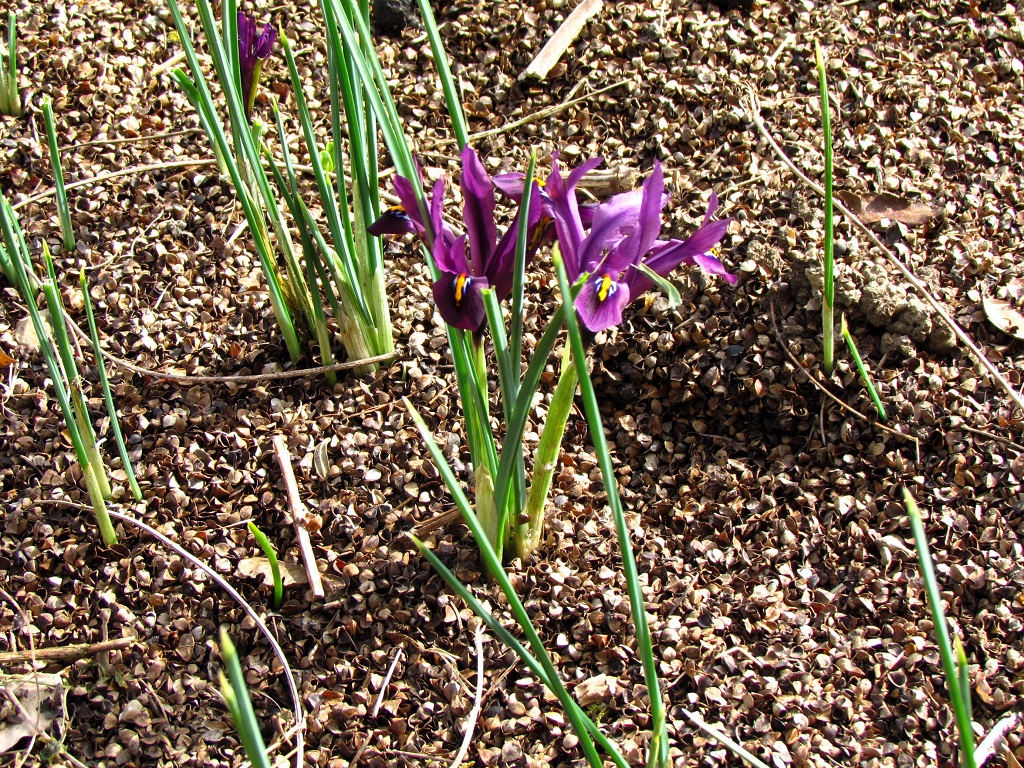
(957, 694)
(645, 648)
(828, 299)
(546, 459)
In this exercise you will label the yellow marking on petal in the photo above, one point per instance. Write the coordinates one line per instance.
(605, 286)
(397, 209)
(461, 283)
(538, 233)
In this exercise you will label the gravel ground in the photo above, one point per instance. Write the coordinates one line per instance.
(774, 549)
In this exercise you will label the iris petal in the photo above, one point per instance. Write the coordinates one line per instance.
(459, 299)
(601, 302)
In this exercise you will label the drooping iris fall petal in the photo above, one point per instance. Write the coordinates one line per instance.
(458, 293)
(601, 301)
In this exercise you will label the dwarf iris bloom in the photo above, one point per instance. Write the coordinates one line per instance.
(623, 235)
(253, 50)
(467, 263)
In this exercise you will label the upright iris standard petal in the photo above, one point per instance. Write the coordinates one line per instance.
(569, 225)
(253, 50)
(502, 264)
(478, 210)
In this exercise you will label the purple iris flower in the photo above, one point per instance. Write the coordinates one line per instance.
(253, 50)
(468, 263)
(488, 261)
(623, 235)
(511, 185)
(405, 217)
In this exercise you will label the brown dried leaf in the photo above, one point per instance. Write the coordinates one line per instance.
(291, 573)
(596, 689)
(1004, 316)
(885, 206)
(39, 695)
(6, 360)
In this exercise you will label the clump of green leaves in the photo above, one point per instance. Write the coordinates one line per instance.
(345, 265)
(55, 344)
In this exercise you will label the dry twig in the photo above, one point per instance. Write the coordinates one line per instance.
(300, 517)
(563, 37)
(65, 654)
(477, 700)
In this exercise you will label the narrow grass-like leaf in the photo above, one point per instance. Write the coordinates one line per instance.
(342, 238)
(644, 645)
(510, 640)
(275, 566)
(58, 324)
(828, 298)
(963, 675)
(253, 214)
(20, 267)
(493, 563)
(108, 397)
(519, 264)
(237, 697)
(66, 229)
(666, 286)
(448, 85)
(851, 344)
(957, 695)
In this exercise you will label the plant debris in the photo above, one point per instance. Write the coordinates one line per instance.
(785, 604)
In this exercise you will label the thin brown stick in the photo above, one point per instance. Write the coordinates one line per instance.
(300, 517)
(533, 118)
(991, 436)
(563, 37)
(171, 164)
(66, 654)
(474, 715)
(755, 111)
(257, 378)
(362, 748)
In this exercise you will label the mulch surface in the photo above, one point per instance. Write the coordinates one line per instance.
(774, 548)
